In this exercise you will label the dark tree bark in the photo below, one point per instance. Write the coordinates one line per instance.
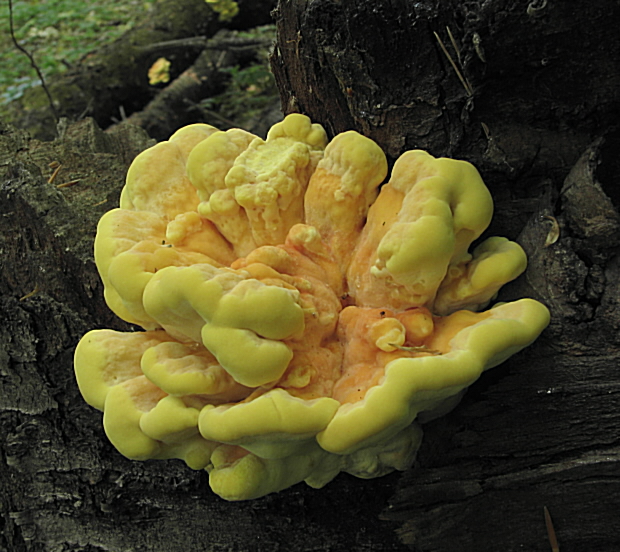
(531, 97)
(541, 430)
(62, 485)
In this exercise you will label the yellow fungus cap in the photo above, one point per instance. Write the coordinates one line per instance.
(160, 168)
(473, 284)
(253, 189)
(271, 425)
(188, 137)
(124, 406)
(342, 188)
(105, 358)
(299, 322)
(467, 343)
(170, 420)
(423, 222)
(131, 246)
(239, 475)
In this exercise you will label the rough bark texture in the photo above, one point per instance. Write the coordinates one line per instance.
(62, 485)
(542, 429)
(536, 97)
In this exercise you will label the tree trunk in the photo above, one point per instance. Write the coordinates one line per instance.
(62, 484)
(528, 92)
(540, 430)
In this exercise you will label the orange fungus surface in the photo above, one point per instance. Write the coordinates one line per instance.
(300, 307)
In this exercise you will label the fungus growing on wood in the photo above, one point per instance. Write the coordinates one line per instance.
(298, 318)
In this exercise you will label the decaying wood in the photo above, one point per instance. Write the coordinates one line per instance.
(540, 430)
(544, 429)
(176, 105)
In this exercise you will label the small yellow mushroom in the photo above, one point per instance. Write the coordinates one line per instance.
(159, 72)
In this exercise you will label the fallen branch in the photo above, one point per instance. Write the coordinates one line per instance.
(202, 43)
(173, 106)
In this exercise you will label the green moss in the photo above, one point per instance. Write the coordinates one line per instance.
(58, 33)
(251, 88)
(36, 99)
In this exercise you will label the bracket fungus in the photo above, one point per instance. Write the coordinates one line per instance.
(297, 315)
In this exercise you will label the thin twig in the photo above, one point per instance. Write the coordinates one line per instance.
(204, 43)
(56, 168)
(67, 184)
(553, 540)
(30, 294)
(455, 46)
(463, 80)
(32, 62)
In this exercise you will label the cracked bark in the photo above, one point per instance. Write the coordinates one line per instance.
(542, 429)
(533, 108)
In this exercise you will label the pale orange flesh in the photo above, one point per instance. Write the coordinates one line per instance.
(330, 264)
(336, 356)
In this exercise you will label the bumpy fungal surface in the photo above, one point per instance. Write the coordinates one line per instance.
(297, 316)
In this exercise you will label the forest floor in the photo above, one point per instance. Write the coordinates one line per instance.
(49, 37)
(57, 33)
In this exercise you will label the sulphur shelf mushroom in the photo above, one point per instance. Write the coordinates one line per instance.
(297, 316)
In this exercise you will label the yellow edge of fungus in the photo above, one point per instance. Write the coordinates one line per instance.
(413, 385)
